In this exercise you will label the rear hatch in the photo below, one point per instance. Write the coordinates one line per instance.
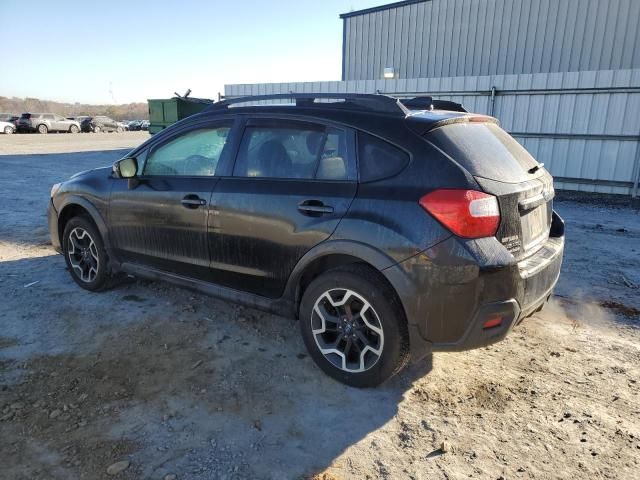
(502, 167)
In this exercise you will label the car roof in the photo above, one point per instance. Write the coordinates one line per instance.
(357, 110)
(425, 119)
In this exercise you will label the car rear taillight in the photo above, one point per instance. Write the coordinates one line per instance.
(467, 213)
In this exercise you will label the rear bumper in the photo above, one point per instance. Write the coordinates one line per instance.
(534, 287)
(52, 220)
(451, 290)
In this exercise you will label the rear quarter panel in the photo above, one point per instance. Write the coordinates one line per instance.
(386, 214)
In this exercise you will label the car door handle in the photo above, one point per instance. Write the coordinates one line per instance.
(314, 208)
(193, 201)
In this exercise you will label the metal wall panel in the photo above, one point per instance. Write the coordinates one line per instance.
(582, 125)
(448, 38)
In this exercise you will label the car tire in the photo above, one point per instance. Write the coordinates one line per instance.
(43, 129)
(119, 130)
(73, 129)
(379, 343)
(84, 254)
(97, 129)
(9, 130)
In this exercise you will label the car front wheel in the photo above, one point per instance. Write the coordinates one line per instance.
(353, 326)
(43, 129)
(74, 129)
(85, 254)
(9, 130)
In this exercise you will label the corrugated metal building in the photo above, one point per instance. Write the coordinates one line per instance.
(454, 38)
(562, 76)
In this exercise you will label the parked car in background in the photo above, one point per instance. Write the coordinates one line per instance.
(135, 125)
(100, 124)
(124, 125)
(390, 228)
(9, 117)
(45, 123)
(78, 119)
(144, 125)
(7, 127)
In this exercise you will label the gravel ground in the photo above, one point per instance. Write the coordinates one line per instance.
(33, 143)
(151, 380)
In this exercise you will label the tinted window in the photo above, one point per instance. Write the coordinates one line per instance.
(378, 159)
(485, 150)
(195, 154)
(288, 150)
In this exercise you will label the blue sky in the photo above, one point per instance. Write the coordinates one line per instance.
(125, 51)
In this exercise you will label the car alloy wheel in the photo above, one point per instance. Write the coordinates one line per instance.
(347, 330)
(83, 254)
(8, 130)
(42, 129)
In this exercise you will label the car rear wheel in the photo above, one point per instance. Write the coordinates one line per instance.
(9, 130)
(74, 129)
(85, 254)
(119, 129)
(43, 129)
(96, 129)
(353, 327)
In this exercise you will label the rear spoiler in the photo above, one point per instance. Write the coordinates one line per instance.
(428, 103)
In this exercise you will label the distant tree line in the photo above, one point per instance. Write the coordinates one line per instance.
(127, 111)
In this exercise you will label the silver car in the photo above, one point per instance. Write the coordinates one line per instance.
(46, 122)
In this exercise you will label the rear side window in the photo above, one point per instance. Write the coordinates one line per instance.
(485, 150)
(292, 150)
(25, 115)
(48, 116)
(378, 159)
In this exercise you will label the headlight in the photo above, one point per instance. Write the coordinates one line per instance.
(55, 189)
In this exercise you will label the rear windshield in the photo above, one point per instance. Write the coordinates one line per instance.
(25, 115)
(485, 150)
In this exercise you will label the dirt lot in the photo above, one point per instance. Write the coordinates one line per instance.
(19, 144)
(176, 383)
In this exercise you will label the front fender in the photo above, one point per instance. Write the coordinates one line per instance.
(75, 200)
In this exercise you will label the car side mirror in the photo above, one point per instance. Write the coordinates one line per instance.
(126, 168)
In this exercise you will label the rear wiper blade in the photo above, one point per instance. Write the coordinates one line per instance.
(536, 168)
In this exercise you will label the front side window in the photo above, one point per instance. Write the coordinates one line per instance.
(287, 150)
(192, 154)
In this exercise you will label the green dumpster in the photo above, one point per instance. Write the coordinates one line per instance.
(165, 112)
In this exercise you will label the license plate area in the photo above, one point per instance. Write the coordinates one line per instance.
(534, 227)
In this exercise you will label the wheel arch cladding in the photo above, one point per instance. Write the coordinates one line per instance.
(329, 261)
(77, 207)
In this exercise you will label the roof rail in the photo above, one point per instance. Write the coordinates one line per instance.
(363, 101)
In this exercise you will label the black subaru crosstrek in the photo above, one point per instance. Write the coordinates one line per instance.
(390, 228)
